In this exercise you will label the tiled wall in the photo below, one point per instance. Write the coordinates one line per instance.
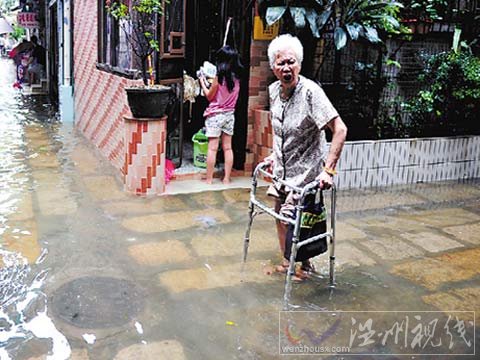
(144, 167)
(407, 161)
(263, 136)
(100, 99)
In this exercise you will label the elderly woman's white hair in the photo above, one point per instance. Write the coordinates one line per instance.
(284, 42)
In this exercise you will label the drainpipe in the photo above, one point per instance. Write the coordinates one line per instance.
(67, 46)
(66, 89)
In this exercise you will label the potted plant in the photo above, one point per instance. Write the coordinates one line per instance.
(420, 15)
(138, 21)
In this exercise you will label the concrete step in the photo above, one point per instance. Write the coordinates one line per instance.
(44, 84)
(36, 89)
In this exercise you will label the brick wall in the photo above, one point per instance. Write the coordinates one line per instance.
(100, 99)
(260, 77)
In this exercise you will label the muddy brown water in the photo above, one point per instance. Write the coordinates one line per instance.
(90, 272)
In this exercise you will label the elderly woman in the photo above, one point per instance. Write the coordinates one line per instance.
(300, 112)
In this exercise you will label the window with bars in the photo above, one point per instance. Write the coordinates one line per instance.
(173, 29)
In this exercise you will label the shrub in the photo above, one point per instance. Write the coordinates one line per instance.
(450, 99)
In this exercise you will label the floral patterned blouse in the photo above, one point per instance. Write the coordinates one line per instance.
(299, 143)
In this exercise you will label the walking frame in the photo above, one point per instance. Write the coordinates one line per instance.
(310, 188)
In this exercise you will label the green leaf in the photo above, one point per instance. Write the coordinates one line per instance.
(317, 21)
(340, 37)
(371, 34)
(456, 39)
(354, 30)
(394, 22)
(391, 62)
(298, 16)
(274, 14)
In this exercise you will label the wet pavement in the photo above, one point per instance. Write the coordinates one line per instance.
(88, 271)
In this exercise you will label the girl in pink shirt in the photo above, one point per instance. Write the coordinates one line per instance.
(220, 113)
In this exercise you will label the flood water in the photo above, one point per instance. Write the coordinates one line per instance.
(88, 271)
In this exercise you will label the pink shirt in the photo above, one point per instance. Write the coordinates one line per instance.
(223, 101)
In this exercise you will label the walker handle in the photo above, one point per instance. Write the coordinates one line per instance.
(261, 168)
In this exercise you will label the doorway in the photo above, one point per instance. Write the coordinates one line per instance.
(53, 55)
(206, 23)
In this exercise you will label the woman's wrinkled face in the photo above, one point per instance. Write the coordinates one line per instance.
(286, 67)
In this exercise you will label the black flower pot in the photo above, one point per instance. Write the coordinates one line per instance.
(148, 102)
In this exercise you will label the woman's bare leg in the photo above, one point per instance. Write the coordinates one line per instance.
(281, 228)
(211, 158)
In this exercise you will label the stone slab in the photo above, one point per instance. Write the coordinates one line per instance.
(43, 160)
(231, 243)
(142, 205)
(56, 202)
(104, 188)
(390, 248)
(24, 208)
(433, 272)
(431, 242)
(76, 354)
(393, 223)
(166, 349)
(36, 134)
(176, 220)
(22, 238)
(216, 276)
(162, 252)
(371, 199)
(236, 195)
(443, 217)
(347, 255)
(207, 199)
(464, 299)
(446, 192)
(84, 160)
(345, 231)
(469, 233)
(53, 194)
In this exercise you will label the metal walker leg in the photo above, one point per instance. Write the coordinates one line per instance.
(296, 243)
(251, 215)
(246, 240)
(333, 215)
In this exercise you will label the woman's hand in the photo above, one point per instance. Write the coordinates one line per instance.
(270, 159)
(325, 180)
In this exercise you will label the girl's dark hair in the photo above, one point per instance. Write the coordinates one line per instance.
(228, 66)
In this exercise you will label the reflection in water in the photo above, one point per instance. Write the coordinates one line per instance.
(23, 306)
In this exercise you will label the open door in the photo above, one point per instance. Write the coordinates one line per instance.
(205, 31)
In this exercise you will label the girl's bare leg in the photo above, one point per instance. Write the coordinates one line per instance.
(211, 157)
(228, 156)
